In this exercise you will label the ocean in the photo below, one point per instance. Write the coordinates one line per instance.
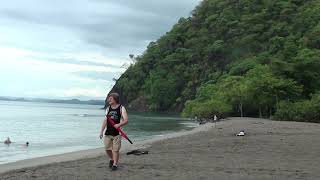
(60, 128)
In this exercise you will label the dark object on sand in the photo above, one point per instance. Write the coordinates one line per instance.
(137, 152)
(241, 133)
(201, 121)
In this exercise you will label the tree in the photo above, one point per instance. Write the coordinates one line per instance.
(266, 89)
(235, 89)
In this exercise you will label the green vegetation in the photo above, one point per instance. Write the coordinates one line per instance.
(307, 110)
(241, 58)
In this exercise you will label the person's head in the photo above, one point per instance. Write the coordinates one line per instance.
(113, 98)
(27, 143)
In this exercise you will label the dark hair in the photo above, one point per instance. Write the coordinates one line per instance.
(115, 96)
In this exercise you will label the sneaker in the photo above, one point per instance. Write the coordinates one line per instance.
(114, 167)
(110, 163)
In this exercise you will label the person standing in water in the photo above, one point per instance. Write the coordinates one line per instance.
(8, 141)
(112, 138)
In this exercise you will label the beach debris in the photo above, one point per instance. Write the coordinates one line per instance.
(202, 122)
(241, 133)
(137, 152)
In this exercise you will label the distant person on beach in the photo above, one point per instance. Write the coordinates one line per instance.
(112, 139)
(215, 118)
(27, 144)
(8, 141)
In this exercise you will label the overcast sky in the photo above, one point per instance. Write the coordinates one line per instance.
(74, 48)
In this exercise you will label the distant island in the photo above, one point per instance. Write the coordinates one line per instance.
(43, 100)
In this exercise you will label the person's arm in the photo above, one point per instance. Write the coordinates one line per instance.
(124, 118)
(104, 124)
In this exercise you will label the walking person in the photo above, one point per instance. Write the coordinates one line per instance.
(112, 139)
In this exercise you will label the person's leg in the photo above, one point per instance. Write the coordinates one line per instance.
(115, 157)
(115, 149)
(108, 146)
(108, 142)
(109, 153)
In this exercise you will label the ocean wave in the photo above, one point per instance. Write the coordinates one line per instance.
(86, 115)
(190, 124)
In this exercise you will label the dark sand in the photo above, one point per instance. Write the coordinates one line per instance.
(270, 150)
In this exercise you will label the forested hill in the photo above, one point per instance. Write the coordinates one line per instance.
(249, 57)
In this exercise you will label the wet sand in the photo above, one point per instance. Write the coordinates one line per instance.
(269, 150)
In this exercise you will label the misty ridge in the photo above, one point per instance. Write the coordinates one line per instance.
(44, 100)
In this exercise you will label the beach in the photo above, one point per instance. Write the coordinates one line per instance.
(269, 150)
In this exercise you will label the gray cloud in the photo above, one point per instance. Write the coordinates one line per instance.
(97, 75)
(117, 25)
(73, 32)
(78, 62)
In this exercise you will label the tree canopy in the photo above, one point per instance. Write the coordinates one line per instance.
(244, 58)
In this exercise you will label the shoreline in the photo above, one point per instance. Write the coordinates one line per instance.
(92, 153)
